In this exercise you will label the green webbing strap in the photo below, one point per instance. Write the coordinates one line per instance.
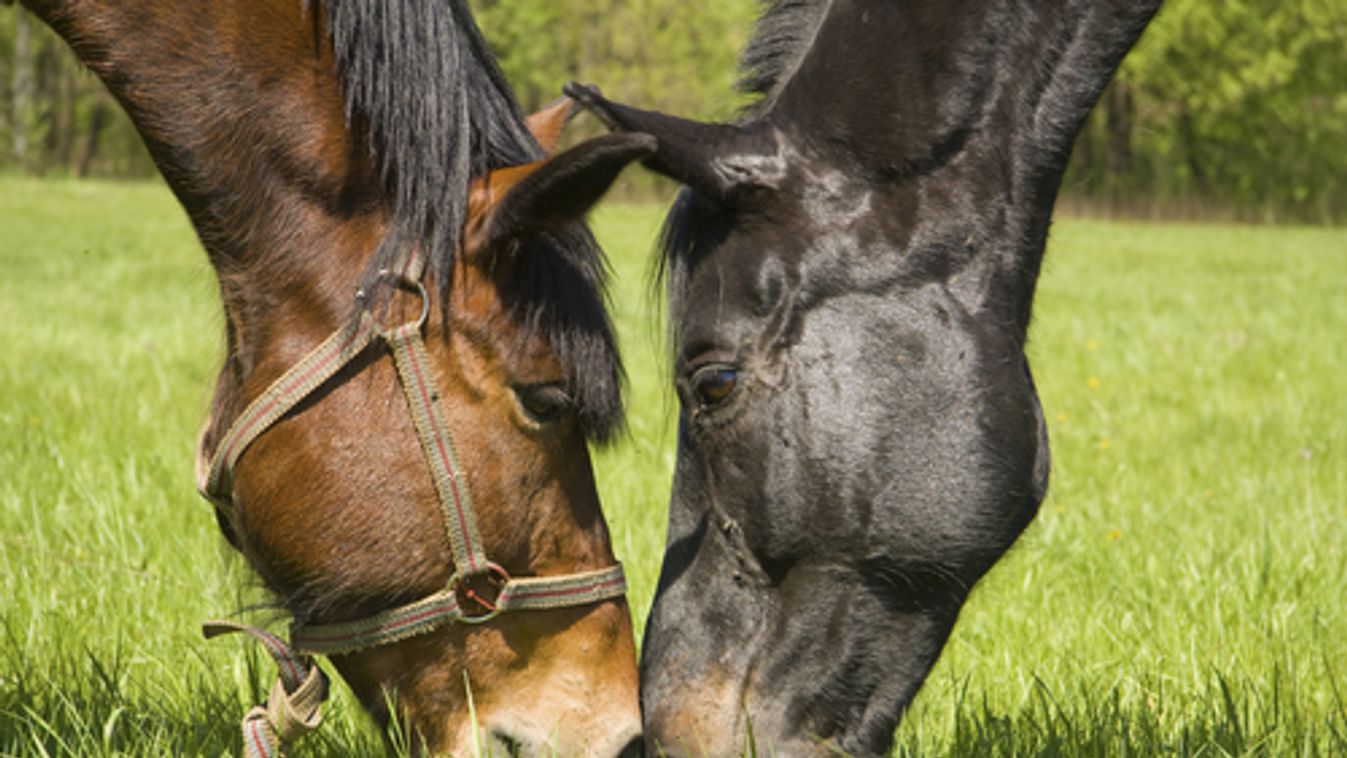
(390, 626)
(409, 354)
(294, 707)
(536, 593)
(283, 394)
(443, 608)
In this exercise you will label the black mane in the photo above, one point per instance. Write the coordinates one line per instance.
(783, 35)
(421, 81)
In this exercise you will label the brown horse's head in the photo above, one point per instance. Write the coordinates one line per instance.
(314, 145)
(335, 504)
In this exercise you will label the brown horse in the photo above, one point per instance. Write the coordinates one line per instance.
(315, 148)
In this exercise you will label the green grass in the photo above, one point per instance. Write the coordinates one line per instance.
(1181, 593)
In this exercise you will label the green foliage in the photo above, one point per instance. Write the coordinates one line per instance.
(1240, 104)
(1234, 109)
(663, 54)
(1179, 594)
(63, 122)
(666, 55)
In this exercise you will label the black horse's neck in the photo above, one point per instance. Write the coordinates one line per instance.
(973, 102)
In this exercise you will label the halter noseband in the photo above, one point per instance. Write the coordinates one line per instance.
(478, 591)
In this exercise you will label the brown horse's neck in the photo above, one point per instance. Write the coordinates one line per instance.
(244, 115)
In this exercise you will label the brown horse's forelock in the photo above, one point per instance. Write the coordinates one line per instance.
(420, 80)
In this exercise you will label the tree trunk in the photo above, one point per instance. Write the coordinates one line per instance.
(1188, 138)
(22, 93)
(48, 104)
(1118, 107)
(65, 127)
(97, 120)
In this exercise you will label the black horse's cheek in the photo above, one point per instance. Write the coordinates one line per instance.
(818, 556)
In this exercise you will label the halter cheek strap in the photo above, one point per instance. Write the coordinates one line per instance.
(478, 591)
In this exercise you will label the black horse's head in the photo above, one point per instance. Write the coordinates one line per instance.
(851, 270)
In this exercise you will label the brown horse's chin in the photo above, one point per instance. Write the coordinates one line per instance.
(529, 684)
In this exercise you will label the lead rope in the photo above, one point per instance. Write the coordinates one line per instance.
(478, 591)
(293, 709)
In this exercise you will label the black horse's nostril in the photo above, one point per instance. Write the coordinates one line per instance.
(633, 749)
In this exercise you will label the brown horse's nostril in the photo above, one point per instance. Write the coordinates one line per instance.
(633, 749)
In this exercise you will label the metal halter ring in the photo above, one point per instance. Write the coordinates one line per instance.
(402, 281)
(481, 591)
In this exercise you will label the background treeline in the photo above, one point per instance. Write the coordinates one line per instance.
(1235, 109)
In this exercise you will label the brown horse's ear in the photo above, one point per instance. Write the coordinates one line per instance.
(525, 201)
(729, 164)
(547, 124)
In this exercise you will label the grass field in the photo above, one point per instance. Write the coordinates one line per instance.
(1181, 593)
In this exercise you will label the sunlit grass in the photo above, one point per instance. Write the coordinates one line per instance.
(1180, 593)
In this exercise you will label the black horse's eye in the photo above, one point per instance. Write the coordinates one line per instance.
(712, 385)
(544, 402)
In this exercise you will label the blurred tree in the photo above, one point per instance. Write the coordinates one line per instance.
(1240, 105)
(1237, 108)
(56, 117)
(665, 54)
(21, 92)
(668, 55)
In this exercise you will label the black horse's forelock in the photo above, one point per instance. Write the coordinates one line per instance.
(684, 232)
(420, 80)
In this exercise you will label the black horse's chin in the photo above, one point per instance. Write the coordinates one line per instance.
(819, 659)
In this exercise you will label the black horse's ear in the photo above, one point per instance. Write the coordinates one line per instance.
(728, 164)
(522, 202)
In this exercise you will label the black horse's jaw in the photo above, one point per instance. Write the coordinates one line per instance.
(817, 560)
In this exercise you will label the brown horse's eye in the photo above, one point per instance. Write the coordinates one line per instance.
(544, 403)
(712, 385)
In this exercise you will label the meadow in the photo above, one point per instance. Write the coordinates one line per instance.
(1181, 592)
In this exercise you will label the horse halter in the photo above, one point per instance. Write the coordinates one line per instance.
(479, 589)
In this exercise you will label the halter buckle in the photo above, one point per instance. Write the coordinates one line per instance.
(478, 595)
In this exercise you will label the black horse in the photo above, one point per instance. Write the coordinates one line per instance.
(851, 271)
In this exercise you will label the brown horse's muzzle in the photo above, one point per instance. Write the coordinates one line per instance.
(544, 683)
